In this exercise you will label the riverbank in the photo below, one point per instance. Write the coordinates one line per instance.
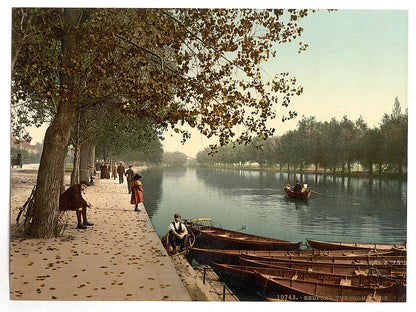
(320, 172)
(119, 258)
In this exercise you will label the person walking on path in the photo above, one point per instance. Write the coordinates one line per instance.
(107, 171)
(114, 170)
(102, 171)
(121, 171)
(178, 233)
(136, 191)
(72, 199)
(129, 174)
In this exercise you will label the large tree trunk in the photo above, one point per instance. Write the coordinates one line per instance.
(52, 162)
(75, 175)
(87, 158)
(76, 171)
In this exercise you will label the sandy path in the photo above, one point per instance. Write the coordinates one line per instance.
(119, 258)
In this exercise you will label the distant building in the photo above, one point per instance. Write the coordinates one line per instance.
(23, 144)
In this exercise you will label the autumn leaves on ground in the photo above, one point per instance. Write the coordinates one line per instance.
(119, 258)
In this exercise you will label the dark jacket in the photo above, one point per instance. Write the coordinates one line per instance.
(121, 169)
(72, 199)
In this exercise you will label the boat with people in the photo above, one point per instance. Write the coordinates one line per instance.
(165, 242)
(214, 237)
(303, 194)
(327, 245)
(339, 271)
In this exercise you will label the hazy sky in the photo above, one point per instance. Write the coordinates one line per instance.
(356, 64)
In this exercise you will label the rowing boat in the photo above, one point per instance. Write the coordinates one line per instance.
(361, 260)
(205, 256)
(165, 242)
(302, 290)
(322, 245)
(333, 268)
(297, 195)
(246, 274)
(225, 239)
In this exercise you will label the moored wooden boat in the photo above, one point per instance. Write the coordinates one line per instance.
(364, 260)
(205, 256)
(297, 195)
(246, 273)
(398, 271)
(323, 245)
(165, 242)
(312, 290)
(226, 239)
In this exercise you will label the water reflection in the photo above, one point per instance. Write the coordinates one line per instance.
(341, 209)
(152, 187)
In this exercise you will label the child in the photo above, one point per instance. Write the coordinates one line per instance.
(136, 191)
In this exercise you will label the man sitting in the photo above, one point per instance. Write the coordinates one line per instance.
(297, 187)
(178, 234)
(72, 199)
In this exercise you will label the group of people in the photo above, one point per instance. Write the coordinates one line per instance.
(71, 199)
(299, 188)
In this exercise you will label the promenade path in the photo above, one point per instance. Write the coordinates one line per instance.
(119, 258)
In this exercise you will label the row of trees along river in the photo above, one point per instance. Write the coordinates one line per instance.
(114, 79)
(334, 145)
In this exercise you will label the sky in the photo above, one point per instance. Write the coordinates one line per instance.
(356, 65)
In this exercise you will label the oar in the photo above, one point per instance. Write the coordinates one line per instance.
(270, 194)
(317, 193)
(276, 192)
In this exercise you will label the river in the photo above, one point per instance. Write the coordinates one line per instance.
(340, 209)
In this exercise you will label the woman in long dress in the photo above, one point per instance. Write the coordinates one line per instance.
(136, 191)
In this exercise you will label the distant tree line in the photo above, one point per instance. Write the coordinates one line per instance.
(175, 159)
(331, 145)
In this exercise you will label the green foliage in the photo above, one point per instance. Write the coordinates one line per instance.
(175, 159)
(176, 66)
(334, 145)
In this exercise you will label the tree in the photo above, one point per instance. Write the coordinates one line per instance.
(169, 66)
(175, 159)
(372, 146)
(394, 132)
(310, 139)
(347, 139)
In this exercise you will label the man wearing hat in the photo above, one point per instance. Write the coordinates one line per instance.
(178, 233)
(72, 199)
(129, 174)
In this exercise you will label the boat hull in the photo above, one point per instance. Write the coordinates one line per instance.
(244, 272)
(297, 195)
(165, 242)
(212, 237)
(394, 271)
(205, 256)
(322, 245)
(357, 260)
(300, 290)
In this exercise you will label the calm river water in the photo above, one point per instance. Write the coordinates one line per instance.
(348, 209)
